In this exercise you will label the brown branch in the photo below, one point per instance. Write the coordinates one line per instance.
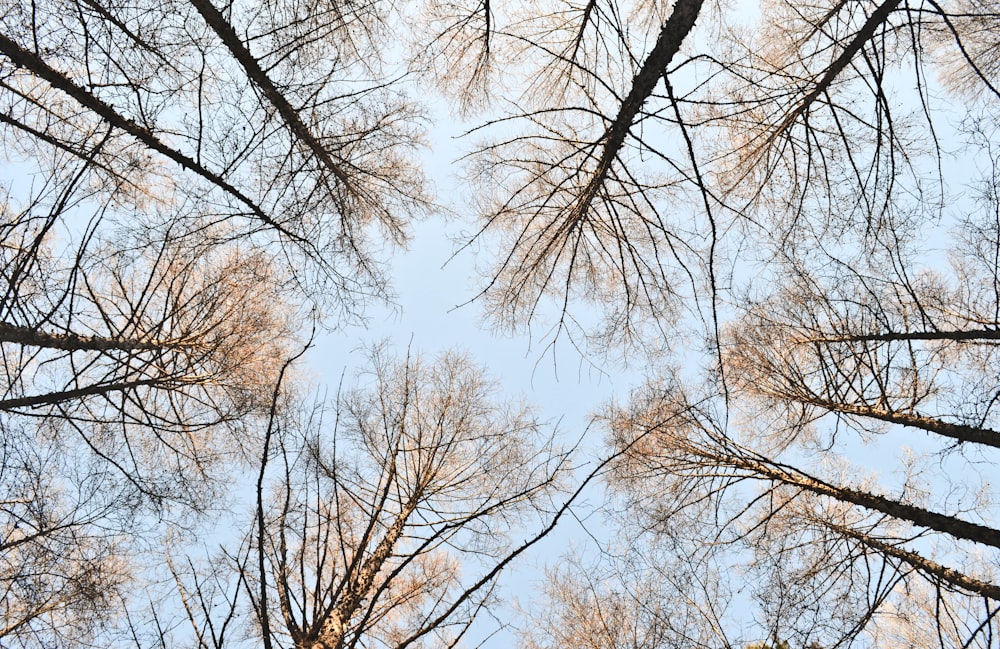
(960, 432)
(950, 525)
(53, 398)
(58, 80)
(11, 333)
(224, 30)
(903, 336)
(673, 33)
(920, 563)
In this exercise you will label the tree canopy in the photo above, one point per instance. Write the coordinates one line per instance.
(785, 216)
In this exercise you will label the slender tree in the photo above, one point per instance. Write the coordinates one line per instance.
(139, 418)
(387, 525)
(758, 195)
(64, 550)
(777, 190)
(184, 180)
(260, 117)
(829, 552)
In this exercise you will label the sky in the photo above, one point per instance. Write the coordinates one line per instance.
(434, 310)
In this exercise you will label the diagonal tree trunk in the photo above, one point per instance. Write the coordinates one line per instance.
(23, 58)
(11, 333)
(224, 30)
(673, 33)
(918, 562)
(951, 525)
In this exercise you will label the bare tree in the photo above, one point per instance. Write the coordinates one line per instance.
(765, 186)
(145, 357)
(64, 549)
(829, 552)
(755, 188)
(633, 596)
(575, 217)
(261, 118)
(649, 151)
(131, 383)
(389, 525)
(851, 351)
(184, 178)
